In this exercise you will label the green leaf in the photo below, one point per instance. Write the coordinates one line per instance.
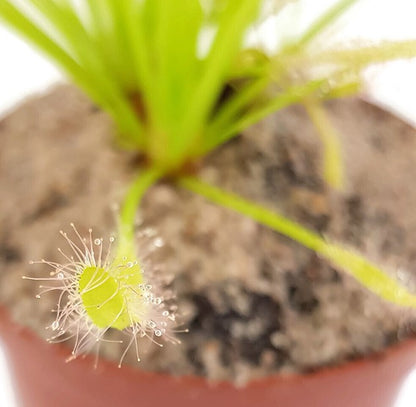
(361, 56)
(323, 22)
(77, 58)
(233, 22)
(292, 95)
(333, 168)
(173, 39)
(367, 273)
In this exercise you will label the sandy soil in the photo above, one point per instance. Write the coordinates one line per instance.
(255, 302)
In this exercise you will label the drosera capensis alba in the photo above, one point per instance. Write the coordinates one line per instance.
(100, 291)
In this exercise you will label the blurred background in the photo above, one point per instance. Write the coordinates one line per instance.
(23, 72)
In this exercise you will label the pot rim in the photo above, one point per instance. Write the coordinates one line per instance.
(106, 365)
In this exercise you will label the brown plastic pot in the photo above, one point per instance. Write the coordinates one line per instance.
(43, 379)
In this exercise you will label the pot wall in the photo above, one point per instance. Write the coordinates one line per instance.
(43, 379)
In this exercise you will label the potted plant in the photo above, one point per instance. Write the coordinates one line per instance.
(180, 85)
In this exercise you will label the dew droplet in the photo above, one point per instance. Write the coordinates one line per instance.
(152, 324)
(130, 264)
(55, 325)
(97, 242)
(158, 242)
(60, 276)
(148, 287)
(149, 232)
(111, 239)
(165, 313)
(158, 332)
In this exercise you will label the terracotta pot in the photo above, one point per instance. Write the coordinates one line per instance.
(43, 379)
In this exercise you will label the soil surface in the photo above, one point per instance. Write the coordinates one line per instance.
(255, 302)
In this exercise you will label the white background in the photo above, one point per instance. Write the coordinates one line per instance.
(23, 72)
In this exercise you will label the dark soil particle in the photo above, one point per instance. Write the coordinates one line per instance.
(300, 294)
(53, 201)
(255, 302)
(244, 333)
(9, 254)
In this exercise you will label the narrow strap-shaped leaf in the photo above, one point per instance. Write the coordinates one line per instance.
(367, 273)
(287, 97)
(140, 46)
(324, 21)
(230, 109)
(24, 26)
(178, 23)
(360, 56)
(233, 23)
(333, 168)
(90, 79)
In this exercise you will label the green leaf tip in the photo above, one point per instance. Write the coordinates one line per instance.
(369, 275)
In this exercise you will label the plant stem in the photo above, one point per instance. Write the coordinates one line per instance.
(361, 269)
(131, 202)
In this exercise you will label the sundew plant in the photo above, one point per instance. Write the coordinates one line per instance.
(179, 79)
